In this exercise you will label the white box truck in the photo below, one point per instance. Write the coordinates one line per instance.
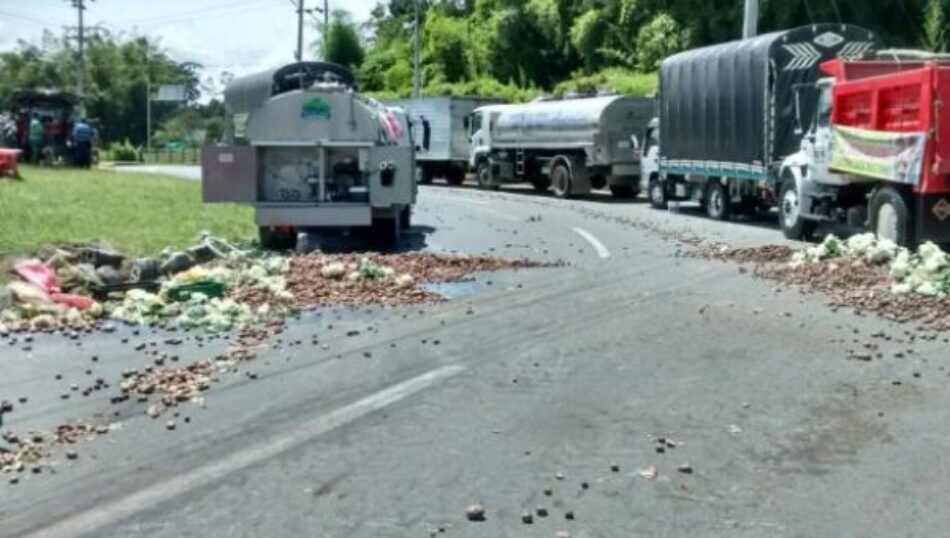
(440, 132)
(572, 145)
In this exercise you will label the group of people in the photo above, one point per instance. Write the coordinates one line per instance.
(53, 133)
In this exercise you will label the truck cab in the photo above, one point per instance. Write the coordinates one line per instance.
(650, 155)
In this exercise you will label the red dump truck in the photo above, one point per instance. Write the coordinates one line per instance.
(877, 151)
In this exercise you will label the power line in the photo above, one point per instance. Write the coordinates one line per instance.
(45, 22)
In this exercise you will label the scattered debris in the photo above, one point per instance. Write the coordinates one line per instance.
(649, 472)
(475, 512)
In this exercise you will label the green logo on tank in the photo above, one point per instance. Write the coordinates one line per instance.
(315, 108)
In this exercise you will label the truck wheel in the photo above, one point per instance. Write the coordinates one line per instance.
(386, 231)
(717, 200)
(657, 193)
(540, 183)
(624, 191)
(561, 180)
(890, 216)
(276, 239)
(789, 218)
(483, 176)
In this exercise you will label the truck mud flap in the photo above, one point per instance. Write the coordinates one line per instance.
(933, 218)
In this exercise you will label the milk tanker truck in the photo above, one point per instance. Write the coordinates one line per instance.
(570, 145)
(309, 153)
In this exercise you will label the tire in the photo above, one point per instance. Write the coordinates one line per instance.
(455, 176)
(561, 180)
(718, 205)
(624, 191)
(272, 239)
(483, 176)
(386, 232)
(656, 191)
(541, 183)
(792, 224)
(890, 217)
(405, 218)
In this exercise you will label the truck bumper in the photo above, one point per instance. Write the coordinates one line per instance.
(325, 215)
(933, 218)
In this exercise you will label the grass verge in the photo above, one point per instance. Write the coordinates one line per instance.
(135, 213)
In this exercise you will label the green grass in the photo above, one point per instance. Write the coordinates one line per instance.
(137, 214)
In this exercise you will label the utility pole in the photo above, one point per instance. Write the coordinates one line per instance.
(300, 11)
(750, 22)
(80, 6)
(416, 82)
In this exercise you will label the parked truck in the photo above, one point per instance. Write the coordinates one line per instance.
(307, 152)
(876, 153)
(440, 131)
(572, 145)
(727, 116)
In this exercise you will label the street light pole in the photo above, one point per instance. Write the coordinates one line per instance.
(750, 21)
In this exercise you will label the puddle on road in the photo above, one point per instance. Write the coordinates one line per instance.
(453, 290)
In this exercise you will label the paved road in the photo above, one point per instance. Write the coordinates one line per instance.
(535, 380)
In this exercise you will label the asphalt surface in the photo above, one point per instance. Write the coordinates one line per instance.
(541, 389)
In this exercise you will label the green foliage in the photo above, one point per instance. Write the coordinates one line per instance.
(658, 39)
(612, 80)
(444, 50)
(124, 152)
(934, 37)
(342, 44)
(588, 35)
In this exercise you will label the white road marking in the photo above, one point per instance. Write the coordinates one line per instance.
(90, 521)
(598, 246)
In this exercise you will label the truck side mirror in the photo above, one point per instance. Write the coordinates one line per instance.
(634, 143)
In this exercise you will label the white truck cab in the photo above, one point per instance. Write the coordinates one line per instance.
(650, 155)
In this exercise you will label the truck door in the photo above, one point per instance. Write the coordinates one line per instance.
(480, 137)
(817, 144)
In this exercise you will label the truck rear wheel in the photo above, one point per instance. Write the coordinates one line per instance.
(657, 193)
(789, 216)
(718, 205)
(561, 180)
(483, 176)
(386, 231)
(889, 216)
(277, 238)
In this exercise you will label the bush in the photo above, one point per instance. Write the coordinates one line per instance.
(614, 79)
(124, 152)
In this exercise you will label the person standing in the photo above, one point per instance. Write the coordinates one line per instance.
(82, 138)
(36, 138)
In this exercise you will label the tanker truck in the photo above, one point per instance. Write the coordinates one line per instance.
(727, 115)
(572, 145)
(308, 152)
(874, 154)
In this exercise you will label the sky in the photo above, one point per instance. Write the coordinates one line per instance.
(239, 36)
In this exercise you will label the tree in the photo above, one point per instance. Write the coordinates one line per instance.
(444, 50)
(342, 41)
(658, 39)
(934, 37)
